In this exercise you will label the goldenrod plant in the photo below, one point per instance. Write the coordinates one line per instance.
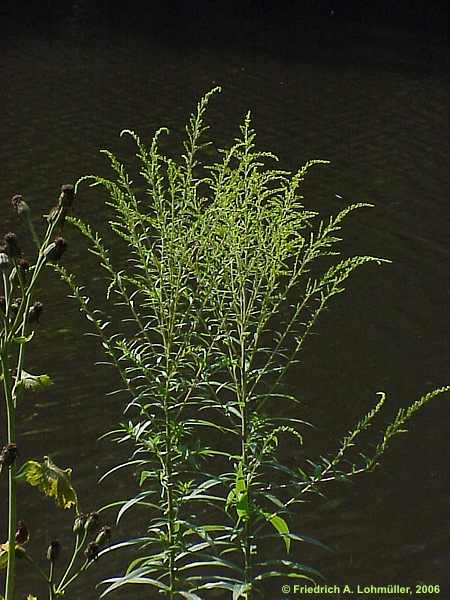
(226, 277)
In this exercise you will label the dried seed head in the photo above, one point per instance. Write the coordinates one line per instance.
(92, 521)
(15, 305)
(53, 551)
(4, 262)
(57, 249)
(92, 550)
(24, 265)
(8, 455)
(79, 522)
(22, 533)
(67, 196)
(12, 247)
(19, 205)
(35, 312)
(103, 536)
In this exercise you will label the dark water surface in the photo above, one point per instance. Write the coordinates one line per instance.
(375, 103)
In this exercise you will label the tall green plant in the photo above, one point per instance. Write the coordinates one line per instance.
(20, 315)
(227, 275)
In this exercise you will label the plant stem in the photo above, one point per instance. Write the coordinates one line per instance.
(76, 550)
(51, 587)
(12, 508)
(243, 400)
(74, 576)
(10, 390)
(170, 511)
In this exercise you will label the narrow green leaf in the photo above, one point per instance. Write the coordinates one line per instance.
(23, 339)
(302, 538)
(281, 526)
(189, 595)
(269, 574)
(118, 582)
(288, 564)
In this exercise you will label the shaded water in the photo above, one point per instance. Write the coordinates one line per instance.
(379, 113)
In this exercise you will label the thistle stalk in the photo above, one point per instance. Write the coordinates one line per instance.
(13, 326)
(12, 506)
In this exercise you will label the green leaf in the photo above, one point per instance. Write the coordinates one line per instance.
(269, 574)
(302, 538)
(242, 505)
(34, 382)
(189, 595)
(3, 555)
(20, 551)
(23, 339)
(281, 526)
(51, 480)
(131, 578)
(30, 597)
(240, 590)
(288, 564)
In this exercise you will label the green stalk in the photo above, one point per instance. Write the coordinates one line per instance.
(10, 389)
(76, 550)
(244, 441)
(51, 587)
(11, 425)
(168, 474)
(170, 512)
(74, 576)
(12, 508)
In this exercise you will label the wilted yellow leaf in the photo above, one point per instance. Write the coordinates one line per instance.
(51, 480)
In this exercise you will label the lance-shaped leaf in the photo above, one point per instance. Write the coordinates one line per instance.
(23, 339)
(51, 480)
(280, 525)
(34, 382)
